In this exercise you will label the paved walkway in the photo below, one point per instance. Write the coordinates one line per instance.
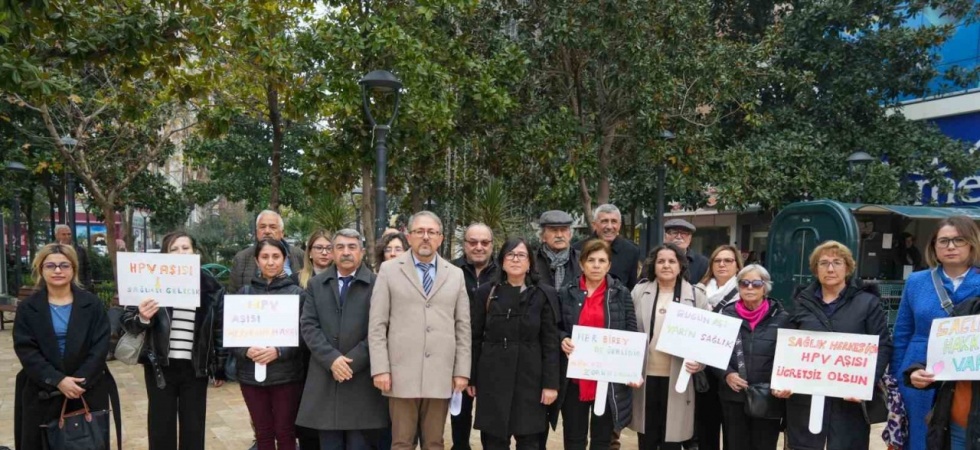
(227, 421)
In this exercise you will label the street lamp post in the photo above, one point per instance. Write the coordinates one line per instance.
(655, 224)
(16, 168)
(70, 142)
(855, 162)
(357, 192)
(380, 82)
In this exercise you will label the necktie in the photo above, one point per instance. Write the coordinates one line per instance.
(344, 288)
(426, 277)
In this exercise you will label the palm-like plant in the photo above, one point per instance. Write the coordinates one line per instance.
(493, 206)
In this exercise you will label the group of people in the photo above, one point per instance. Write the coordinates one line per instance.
(386, 350)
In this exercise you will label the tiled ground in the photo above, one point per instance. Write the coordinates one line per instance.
(227, 421)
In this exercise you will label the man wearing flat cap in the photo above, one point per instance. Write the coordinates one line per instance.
(556, 261)
(679, 232)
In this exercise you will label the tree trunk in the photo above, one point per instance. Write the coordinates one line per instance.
(127, 228)
(605, 150)
(275, 171)
(586, 199)
(367, 211)
(110, 231)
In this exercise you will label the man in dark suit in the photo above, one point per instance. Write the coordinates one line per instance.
(606, 222)
(339, 399)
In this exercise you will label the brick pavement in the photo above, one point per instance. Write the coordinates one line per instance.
(227, 420)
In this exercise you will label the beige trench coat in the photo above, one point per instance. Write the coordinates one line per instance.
(680, 407)
(423, 342)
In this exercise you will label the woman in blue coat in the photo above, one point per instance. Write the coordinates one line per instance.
(953, 254)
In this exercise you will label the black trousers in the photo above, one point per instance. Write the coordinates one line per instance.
(655, 420)
(708, 417)
(462, 424)
(746, 433)
(580, 426)
(175, 414)
(524, 442)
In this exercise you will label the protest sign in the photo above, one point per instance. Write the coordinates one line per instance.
(954, 348)
(697, 335)
(261, 321)
(825, 365)
(170, 279)
(606, 356)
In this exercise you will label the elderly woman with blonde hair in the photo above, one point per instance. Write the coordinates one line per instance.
(835, 302)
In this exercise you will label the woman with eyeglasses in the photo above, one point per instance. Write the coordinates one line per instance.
(835, 302)
(597, 300)
(319, 255)
(61, 338)
(515, 352)
(183, 353)
(751, 362)
(662, 417)
(392, 245)
(953, 255)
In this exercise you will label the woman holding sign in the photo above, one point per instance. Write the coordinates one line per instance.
(273, 402)
(182, 352)
(663, 417)
(751, 363)
(515, 352)
(833, 303)
(599, 300)
(953, 255)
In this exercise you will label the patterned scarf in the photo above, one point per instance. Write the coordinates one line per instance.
(558, 261)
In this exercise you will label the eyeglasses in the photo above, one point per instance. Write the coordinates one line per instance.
(837, 263)
(475, 242)
(755, 284)
(728, 261)
(678, 233)
(322, 248)
(423, 233)
(958, 241)
(516, 256)
(394, 249)
(51, 267)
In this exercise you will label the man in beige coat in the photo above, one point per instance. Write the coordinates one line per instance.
(419, 336)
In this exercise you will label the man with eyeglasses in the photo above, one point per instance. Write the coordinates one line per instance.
(479, 268)
(419, 336)
(679, 232)
(268, 225)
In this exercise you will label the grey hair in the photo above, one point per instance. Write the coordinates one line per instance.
(763, 273)
(607, 208)
(267, 212)
(478, 224)
(60, 227)
(429, 214)
(349, 233)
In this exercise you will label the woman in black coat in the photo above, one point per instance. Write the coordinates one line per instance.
(833, 303)
(515, 352)
(61, 337)
(599, 300)
(176, 372)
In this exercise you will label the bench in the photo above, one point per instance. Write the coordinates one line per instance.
(7, 305)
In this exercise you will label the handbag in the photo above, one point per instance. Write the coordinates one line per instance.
(78, 430)
(759, 401)
(129, 347)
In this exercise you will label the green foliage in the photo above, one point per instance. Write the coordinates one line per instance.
(493, 206)
(221, 235)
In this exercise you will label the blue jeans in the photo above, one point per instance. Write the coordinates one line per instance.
(957, 437)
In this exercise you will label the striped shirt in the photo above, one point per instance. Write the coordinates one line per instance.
(182, 333)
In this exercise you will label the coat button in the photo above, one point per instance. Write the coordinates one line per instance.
(428, 305)
(428, 329)
(427, 354)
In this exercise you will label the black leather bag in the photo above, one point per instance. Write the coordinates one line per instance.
(78, 430)
(759, 401)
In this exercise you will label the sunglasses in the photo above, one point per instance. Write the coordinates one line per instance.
(757, 284)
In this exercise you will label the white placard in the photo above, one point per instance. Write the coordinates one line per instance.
(886, 241)
(261, 321)
(698, 335)
(906, 271)
(607, 355)
(170, 279)
(829, 364)
(954, 348)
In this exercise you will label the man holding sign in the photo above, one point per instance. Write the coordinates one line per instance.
(832, 362)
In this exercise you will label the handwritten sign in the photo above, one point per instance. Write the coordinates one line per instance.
(170, 279)
(954, 348)
(825, 364)
(261, 321)
(607, 355)
(698, 335)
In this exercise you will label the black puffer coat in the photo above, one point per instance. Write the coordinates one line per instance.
(290, 365)
(758, 348)
(845, 424)
(619, 316)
